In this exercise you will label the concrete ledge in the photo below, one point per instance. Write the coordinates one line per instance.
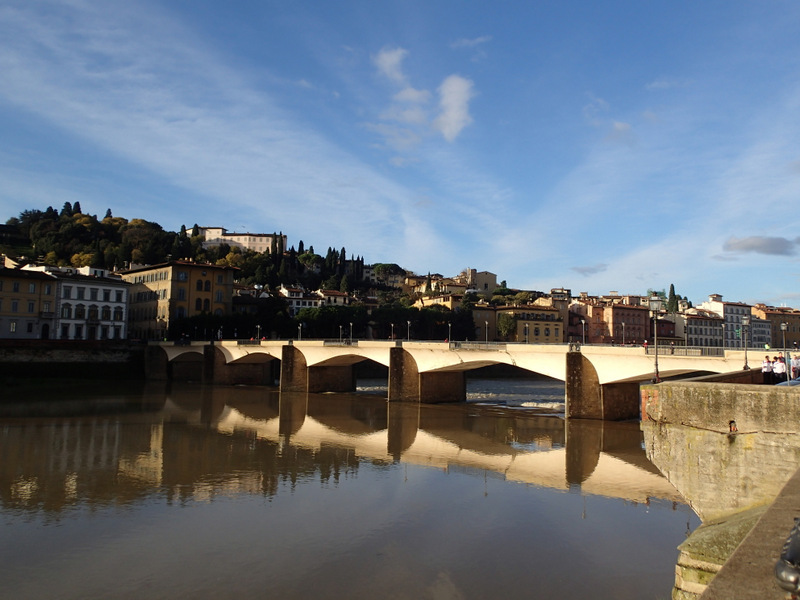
(749, 574)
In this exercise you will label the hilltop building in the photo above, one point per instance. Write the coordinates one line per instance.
(258, 242)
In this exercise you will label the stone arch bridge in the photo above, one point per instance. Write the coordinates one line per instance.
(602, 382)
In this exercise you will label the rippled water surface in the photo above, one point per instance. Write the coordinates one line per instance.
(193, 492)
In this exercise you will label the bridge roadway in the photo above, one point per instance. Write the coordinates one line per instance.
(601, 381)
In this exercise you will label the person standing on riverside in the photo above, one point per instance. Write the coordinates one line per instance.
(766, 369)
(779, 369)
(795, 366)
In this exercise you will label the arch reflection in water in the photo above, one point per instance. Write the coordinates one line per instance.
(462, 498)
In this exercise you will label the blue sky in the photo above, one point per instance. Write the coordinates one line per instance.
(595, 146)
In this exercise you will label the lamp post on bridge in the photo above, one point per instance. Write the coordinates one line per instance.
(487, 332)
(409, 331)
(340, 334)
(623, 333)
(526, 333)
(745, 327)
(351, 333)
(449, 332)
(392, 324)
(583, 331)
(786, 359)
(655, 307)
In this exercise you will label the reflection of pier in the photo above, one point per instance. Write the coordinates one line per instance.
(198, 441)
(602, 459)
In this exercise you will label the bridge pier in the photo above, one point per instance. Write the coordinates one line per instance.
(156, 364)
(586, 398)
(297, 376)
(407, 384)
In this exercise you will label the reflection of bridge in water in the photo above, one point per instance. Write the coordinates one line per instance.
(598, 458)
(601, 381)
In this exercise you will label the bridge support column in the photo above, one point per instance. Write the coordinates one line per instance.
(407, 384)
(582, 388)
(297, 376)
(587, 399)
(209, 358)
(156, 364)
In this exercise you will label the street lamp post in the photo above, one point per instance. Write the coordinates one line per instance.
(340, 334)
(745, 327)
(300, 331)
(786, 359)
(258, 332)
(409, 330)
(449, 332)
(655, 307)
(583, 331)
(623, 333)
(351, 333)
(487, 332)
(392, 330)
(526, 333)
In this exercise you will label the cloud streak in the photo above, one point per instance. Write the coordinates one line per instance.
(775, 246)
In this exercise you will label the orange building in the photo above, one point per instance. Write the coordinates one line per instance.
(176, 290)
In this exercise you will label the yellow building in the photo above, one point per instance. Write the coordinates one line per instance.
(164, 293)
(27, 304)
(535, 324)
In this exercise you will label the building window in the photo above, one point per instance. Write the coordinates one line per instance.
(208, 285)
(29, 328)
(15, 286)
(66, 311)
(12, 327)
(219, 279)
(106, 295)
(31, 307)
(31, 288)
(181, 293)
(65, 332)
(206, 305)
(80, 313)
(14, 306)
(46, 307)
(199, 285)
(118, 313)
(67, 291)
(78, 332)
(93, 293)
(219, 295)
(48, 289)
(81, 293)
(182, 276)
(93, 312)
(118, 295)
(106, 313)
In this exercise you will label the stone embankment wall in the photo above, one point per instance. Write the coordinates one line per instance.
(728, 443)
(23, 359)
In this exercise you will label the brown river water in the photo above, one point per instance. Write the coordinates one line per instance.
(152, 491)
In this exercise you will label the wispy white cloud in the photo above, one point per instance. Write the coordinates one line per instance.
(471, 42)
(667, 83)
(390, 62)
(454, 96)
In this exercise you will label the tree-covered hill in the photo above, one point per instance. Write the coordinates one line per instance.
(70, 237)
